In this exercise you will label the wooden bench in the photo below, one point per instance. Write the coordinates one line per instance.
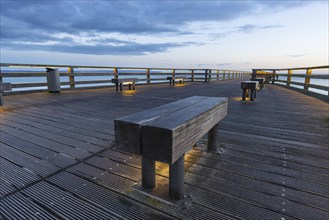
(167, 133)
(249, 87)
(172, 79)
(260, 82)
(4, 87)
(127, 81)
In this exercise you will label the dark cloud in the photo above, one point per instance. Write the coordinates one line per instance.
(115, 48)
(42, 21)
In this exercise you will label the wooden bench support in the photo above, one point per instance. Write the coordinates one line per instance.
(249, 87)
(173, 79)
(120, 82)
(213, 138)
(148, 173)
(176, 179)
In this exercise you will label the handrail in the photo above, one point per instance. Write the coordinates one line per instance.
(114, 72)
(287, 79)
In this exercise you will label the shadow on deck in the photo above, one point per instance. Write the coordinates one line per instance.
(58, 157)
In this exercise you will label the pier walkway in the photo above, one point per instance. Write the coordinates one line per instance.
(59, 161)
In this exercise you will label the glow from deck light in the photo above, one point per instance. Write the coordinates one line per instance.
(128, 92)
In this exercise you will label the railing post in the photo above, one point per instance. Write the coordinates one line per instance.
(224, 72)
(206, 75)
(217, 74)
(148, 76)
(115, 72)
(307, 78)
(71, 77)
(254, 74)
(192, 75)
(274, 75)
(209, 75)
(289, 77)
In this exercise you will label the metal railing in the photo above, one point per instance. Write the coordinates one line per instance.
(295, 79)
(101, 76)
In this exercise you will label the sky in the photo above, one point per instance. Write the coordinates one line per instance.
(236, 35)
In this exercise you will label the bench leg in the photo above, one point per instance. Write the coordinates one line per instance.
(129, 86)
(213, 138)
(176, 179)
(252, 94)
(244, 93)
(1, 99)
(120, 87)
(148, 173)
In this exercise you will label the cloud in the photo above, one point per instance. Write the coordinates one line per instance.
(110, 47)
(297, 55)
(38, 24)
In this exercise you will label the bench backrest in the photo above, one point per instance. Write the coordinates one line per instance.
(173, 128)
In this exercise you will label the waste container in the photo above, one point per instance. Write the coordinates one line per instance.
(53, 80)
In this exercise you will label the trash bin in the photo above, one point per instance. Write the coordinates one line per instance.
(53, 80)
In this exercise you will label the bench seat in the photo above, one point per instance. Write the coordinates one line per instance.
(260, 81)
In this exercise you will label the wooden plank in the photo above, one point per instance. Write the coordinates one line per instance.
(54, 137)
(180, 130)
(45, 154)
(122, 185)
(108, 200)
(238, 182)
(18, 206)
(64, 204)
(72, 134)
(16, 175)
(26, 161)
(72, 152)
(127, 129)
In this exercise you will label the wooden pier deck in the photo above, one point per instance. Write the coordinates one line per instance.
(58, 157)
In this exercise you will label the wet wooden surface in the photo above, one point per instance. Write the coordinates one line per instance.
(59, 159)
